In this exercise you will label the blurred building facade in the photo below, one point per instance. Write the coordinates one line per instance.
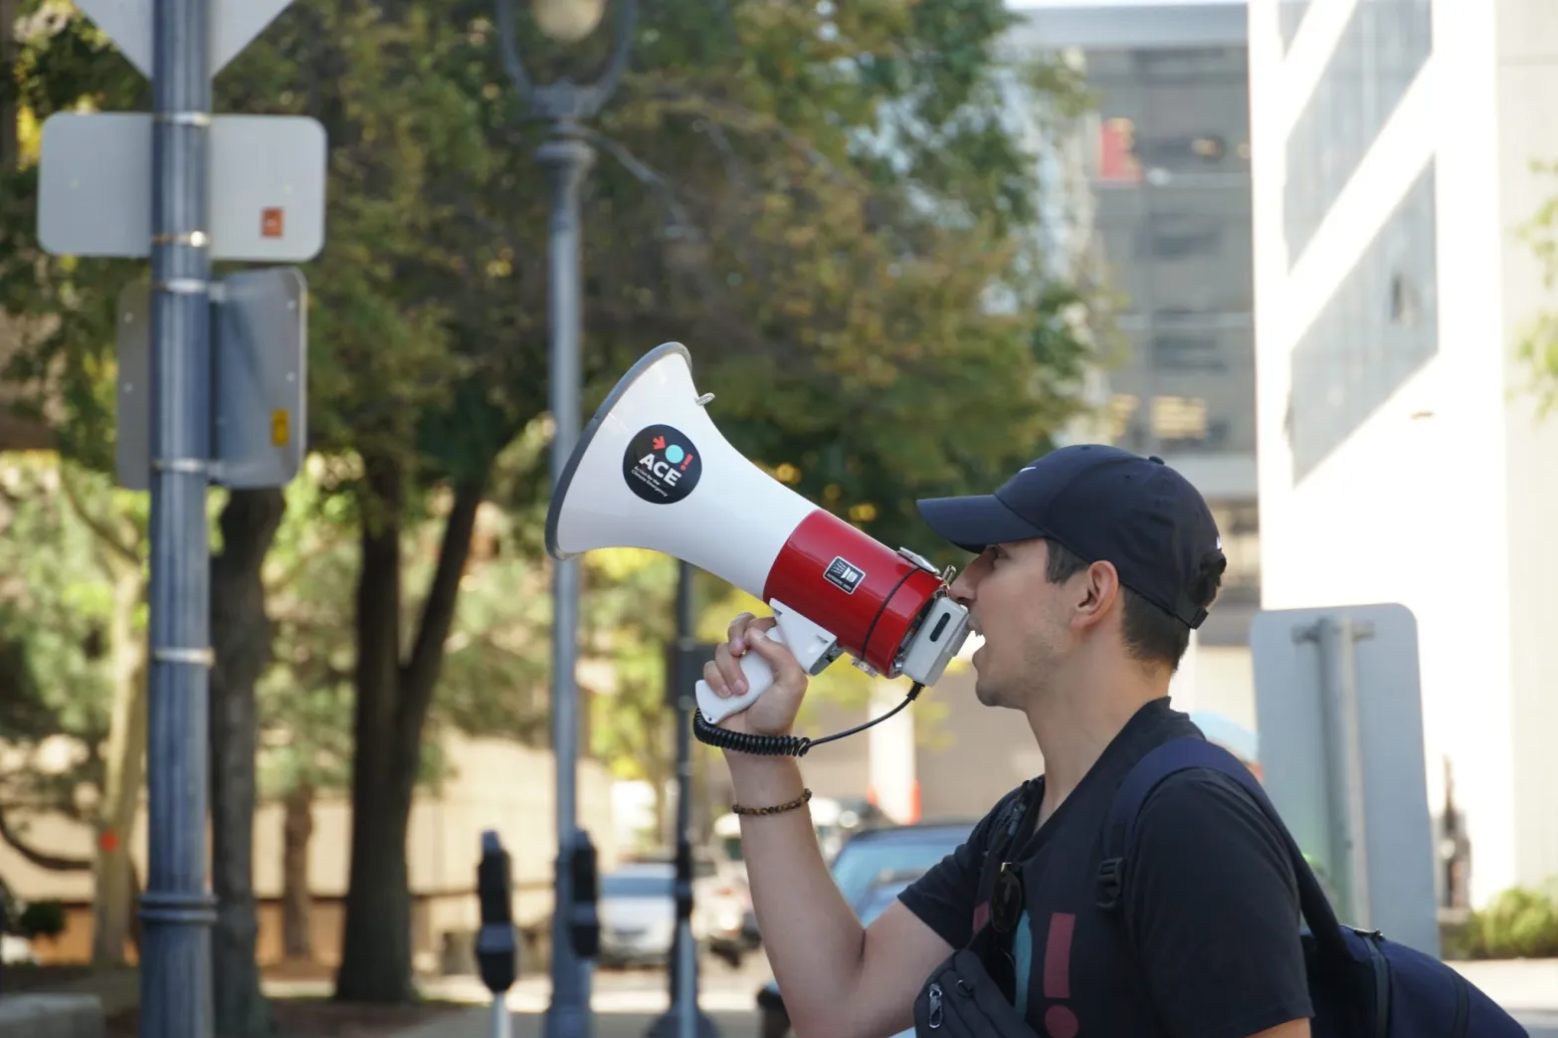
(1165, 158)
(1401, 454)
(1149, 193)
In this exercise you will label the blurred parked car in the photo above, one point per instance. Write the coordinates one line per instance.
(835, 822)
(637, 909)
(871, 870)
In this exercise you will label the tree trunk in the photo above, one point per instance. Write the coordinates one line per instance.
(391, 710)
(9, 128)
(241, 637)
(296, 902)
(113, 908)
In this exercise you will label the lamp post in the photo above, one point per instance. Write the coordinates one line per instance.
(566, 157)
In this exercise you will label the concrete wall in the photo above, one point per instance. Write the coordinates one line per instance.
(495, 785)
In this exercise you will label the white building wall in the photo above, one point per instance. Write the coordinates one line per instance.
(1526, 84)
(1417, 504)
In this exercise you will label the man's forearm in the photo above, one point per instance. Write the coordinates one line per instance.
(813, 939)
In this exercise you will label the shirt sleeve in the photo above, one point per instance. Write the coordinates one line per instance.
(944, 897)
(1213, 907)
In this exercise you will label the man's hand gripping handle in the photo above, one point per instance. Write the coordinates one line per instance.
(813, 648)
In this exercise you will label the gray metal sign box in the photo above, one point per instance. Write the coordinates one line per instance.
(1339, 709)
(267, 182)
(259, 354)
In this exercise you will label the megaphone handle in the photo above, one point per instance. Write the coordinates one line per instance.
(759, 676)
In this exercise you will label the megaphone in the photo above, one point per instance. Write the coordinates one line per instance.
(651, 470)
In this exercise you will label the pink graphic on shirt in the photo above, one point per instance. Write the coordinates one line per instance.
(1060, 1021)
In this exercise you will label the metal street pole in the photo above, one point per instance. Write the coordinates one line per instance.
(566, 159)
(684, 1018)
(178, 908)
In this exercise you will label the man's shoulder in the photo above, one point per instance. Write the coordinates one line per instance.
(1002, 813)
(1204, 803)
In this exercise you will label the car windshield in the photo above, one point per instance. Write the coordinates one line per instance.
(635, 885)
(863, 862)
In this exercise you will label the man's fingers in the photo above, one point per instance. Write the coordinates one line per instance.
(729, 669)
(787, 670)
(737, 628)
(712, 676)
(752, 631)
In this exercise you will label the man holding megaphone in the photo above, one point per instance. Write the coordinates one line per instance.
(1092, 567)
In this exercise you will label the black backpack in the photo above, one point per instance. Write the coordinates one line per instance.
(1361, 984)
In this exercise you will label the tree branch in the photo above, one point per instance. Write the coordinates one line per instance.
(420, 673)
(100, 530)
(42, 859)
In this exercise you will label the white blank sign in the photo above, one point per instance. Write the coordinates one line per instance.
(267, 184)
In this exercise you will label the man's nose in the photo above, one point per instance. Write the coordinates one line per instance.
(961, 590)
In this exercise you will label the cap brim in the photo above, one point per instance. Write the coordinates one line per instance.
(973, 523)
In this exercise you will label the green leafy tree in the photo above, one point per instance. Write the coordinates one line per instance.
(74, 614)
(56, 342)
(834, 299)
(819, 201)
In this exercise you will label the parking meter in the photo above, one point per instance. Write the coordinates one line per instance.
(497, 951)
(584, 917)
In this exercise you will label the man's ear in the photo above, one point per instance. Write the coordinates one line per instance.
(1098, 588)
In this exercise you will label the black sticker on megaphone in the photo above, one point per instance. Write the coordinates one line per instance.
(661, 465)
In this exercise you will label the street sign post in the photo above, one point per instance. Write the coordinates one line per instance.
(267, 176)
(162, 166)
(1339, 711)
(259, 354)
(233, 25)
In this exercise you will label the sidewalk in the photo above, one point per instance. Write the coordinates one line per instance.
(1523, 985)
(477, 1024)
(1527, 988)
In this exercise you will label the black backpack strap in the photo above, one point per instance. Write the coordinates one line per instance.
(1195, 752)
(1018, 818)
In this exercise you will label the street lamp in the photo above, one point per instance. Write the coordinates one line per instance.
(566, 157)
(567, 21)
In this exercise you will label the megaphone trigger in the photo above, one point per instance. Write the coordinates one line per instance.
(814, 649)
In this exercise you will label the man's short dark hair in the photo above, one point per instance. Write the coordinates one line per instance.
(1152, 634)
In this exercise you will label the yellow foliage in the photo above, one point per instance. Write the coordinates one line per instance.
(621, 563)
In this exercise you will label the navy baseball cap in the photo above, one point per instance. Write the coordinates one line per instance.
(1105, 505)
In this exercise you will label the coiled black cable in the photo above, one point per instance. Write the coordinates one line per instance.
(781, 745)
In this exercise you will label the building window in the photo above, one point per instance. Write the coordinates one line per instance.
(1188, 351)
(1381, 50)
(1374, 333)
(1174, 237)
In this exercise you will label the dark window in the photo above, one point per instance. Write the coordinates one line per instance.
(1172, 237)
(1379, 327)
(1189, 351)
(1380, 52)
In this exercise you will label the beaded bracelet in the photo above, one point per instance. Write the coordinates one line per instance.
(776, 809)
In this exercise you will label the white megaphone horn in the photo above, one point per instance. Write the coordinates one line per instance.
(651, 470)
